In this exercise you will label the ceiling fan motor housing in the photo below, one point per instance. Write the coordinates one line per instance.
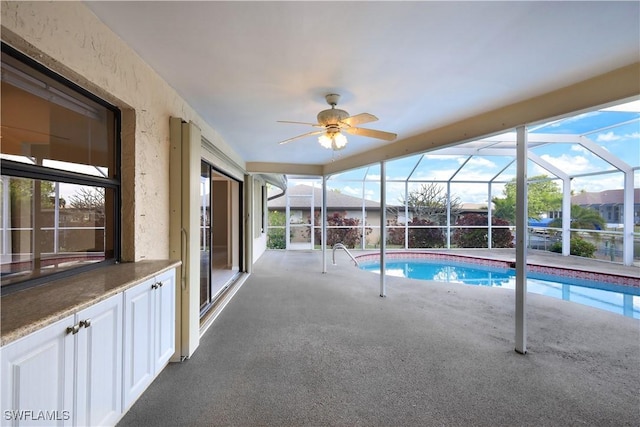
(332, 116)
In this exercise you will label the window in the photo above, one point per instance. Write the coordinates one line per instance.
(60, 182)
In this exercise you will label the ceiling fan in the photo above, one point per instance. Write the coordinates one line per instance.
(334, 121)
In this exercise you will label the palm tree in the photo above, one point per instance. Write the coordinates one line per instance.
(582, 218)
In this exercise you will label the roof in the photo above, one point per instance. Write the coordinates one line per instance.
(606, 197)
(335, 199)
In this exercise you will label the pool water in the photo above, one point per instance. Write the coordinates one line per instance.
(624, 300)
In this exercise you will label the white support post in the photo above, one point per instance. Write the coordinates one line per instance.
(383, 229)
(627, 238)
(566, 216)
(287, 223)
(489, 218)
(627, 209)
(449, 214)
(323, 218)
(406, 214)
(363, 223)
(249, 201)
(521, 240)
(312, 217)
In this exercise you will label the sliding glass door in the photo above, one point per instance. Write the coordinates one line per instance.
(219, 234)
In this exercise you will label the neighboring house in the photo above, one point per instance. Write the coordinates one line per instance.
(609, 204)
(302, 197)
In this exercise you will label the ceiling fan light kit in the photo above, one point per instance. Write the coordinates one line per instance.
(333, 141)
(335, 121)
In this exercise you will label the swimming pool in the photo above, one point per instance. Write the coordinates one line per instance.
(619, 297)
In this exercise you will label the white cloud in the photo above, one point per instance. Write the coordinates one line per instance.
(433, 174)
(480, 162)
(598, 183)
(608, 137)
(569, 164)
(634, 135)
(351, 191)
(579, 148)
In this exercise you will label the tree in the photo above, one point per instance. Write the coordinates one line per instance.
(21, 191)
(505, 209)
(276, 233)
(88, 198)
(347, 231)
(425, 237)
(478, 237)
(429, 202)
(582, 218)
(543, 195)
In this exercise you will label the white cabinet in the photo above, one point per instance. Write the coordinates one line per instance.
(99, 349)
(68, 373)
(88, 368)
(165, 312)
(149, 333)
(38, 376)
(138, 341)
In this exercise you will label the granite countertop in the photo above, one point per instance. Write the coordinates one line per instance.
(26, 311)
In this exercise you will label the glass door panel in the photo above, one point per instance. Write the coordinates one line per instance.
(205, 235)
(220, 234)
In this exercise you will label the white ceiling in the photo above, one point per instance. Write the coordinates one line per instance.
(415, 65)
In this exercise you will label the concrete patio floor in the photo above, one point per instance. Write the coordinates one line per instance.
(298, 347)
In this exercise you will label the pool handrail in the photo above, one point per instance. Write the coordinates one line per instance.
(341, 246)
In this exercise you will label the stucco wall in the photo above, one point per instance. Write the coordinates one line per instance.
(69, 39)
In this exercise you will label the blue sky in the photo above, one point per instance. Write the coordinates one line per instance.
(615, 129)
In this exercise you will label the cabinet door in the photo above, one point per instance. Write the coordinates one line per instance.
(99, 363)
(165, 319)
(138, 340)
(38, 377)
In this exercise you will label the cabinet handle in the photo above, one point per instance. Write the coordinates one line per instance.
(73, 329)
(86, 323)
(159, 284)
(154, 286)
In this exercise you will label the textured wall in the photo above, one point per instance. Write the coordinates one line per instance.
(69, 39)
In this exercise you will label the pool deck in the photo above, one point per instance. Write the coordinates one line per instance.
(535, 257)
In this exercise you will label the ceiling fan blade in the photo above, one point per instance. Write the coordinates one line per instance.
(300, 123)
(372, 133)
(359, 119)
(315, 132)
